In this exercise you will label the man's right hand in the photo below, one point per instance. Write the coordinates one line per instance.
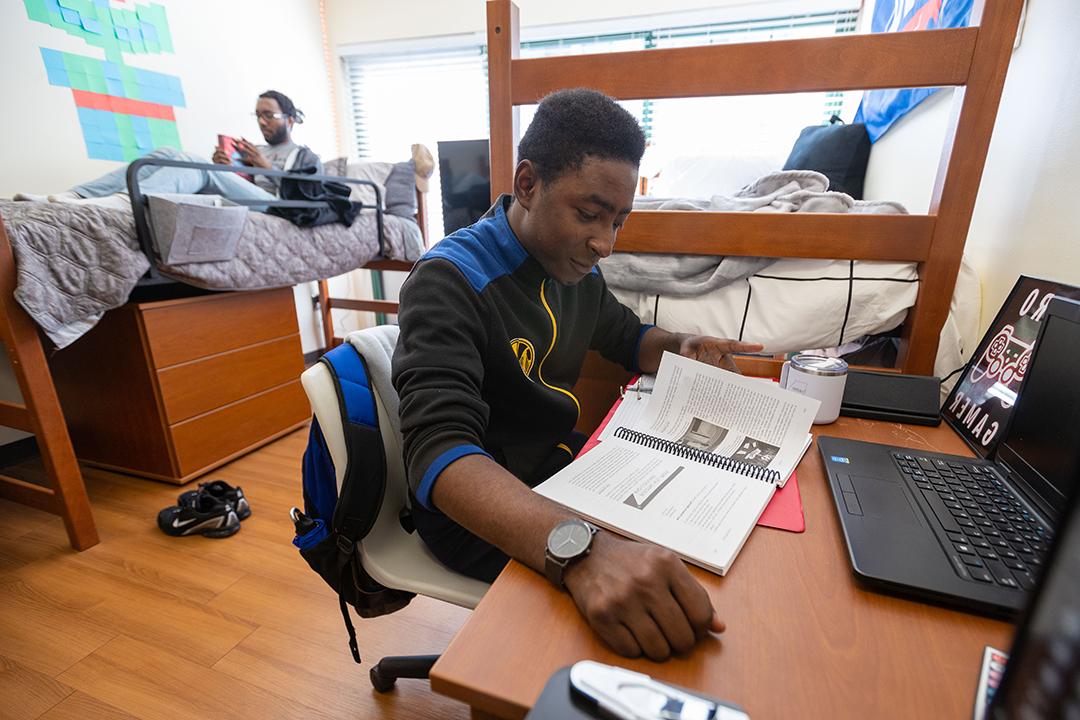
(221, 158)
(641, 599)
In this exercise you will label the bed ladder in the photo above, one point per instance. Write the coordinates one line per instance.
(40, 414)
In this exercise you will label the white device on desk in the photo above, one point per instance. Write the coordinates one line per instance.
(626, 695)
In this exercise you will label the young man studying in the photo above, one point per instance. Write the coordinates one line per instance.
(495, 323)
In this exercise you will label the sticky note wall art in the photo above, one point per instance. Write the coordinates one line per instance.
(124, 111)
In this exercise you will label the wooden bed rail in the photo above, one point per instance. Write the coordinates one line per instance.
(40, 414)
(801, 235)
(973, 59)
(932, 58)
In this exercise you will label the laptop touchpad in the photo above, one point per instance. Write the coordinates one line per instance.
(884, 498)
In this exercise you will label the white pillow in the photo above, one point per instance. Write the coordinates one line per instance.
(377, 172)
(703, 176)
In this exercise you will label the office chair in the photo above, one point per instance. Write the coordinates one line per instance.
(390, 554)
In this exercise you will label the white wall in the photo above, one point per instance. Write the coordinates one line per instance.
(226, 53)
(1024, 220)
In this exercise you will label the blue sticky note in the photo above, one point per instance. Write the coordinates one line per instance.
(121, 32)
(70, 16)
(90, 25)
(52, 6)
(98, 151)
(115, 87)
(148, 31)
(110, 70)
(57, 76)
(52, 58)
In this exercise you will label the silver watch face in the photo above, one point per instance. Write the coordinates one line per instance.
(569, 539)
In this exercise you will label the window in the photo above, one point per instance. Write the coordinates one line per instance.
(403, 94)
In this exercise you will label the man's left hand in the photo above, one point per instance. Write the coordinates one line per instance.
(251, 156)
(715, 351)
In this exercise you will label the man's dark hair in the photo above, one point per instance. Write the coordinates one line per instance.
(572, 124)
(285, 104)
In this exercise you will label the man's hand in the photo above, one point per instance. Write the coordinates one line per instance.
(715, 351)
(220, 158)
(250, 155)
(640, 598)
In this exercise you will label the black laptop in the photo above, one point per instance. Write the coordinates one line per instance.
(966, 532)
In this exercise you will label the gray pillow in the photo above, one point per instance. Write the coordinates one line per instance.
(401, 190)
(334, 167)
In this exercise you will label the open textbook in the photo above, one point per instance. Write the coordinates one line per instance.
(693, 468)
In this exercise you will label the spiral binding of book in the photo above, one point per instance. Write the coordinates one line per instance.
(673, 448)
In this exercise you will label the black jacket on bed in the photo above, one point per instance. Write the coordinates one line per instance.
(489, 351)
(338, 207)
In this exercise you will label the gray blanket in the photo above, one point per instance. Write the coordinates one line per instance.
(75, 262)
(693, 275)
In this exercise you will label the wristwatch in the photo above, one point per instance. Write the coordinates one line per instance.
(568, 542)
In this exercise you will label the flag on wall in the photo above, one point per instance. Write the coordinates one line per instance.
(124, 111)
(879, 109)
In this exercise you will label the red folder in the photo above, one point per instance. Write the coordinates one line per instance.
(783, 512)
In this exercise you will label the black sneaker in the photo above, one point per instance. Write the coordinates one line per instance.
(220, 490)
(200, 514)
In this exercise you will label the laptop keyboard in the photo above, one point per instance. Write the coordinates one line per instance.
(991, 537)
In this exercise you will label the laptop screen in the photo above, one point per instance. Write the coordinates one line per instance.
(1042, 441)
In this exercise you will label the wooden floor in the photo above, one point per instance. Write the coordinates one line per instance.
(148, 626)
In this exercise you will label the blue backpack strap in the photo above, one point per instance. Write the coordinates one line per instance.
(364, 484)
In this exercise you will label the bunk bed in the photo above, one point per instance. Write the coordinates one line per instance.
(973, 59)
(180, 370)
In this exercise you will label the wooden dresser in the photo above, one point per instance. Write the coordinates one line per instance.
(172, 389)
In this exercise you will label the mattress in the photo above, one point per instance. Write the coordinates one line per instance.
(799, 304)
(75, 262)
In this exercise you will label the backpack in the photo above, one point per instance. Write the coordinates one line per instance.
(334, 522)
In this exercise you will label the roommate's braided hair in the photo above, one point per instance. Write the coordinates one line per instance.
(286, 105)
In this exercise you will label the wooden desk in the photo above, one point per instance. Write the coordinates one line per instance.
(803, 639)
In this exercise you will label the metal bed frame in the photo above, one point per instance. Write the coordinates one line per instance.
(139, 202)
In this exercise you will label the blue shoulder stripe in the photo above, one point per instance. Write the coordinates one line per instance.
(483, 252)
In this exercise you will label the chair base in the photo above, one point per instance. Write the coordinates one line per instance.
(386, 672)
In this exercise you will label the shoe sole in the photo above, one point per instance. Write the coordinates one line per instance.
(221, 532)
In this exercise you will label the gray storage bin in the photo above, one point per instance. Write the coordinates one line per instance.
(195, 228)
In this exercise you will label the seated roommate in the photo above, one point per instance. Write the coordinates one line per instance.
(276, 115)
(495, 323)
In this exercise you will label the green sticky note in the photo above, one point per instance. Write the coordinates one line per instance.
(127, 132)
(36, 11)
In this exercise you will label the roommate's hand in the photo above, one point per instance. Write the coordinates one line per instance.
(640, 599)
(250, 155)
(715, 351)
(221, 158)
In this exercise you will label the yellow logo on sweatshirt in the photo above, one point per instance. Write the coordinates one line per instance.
(525, 354)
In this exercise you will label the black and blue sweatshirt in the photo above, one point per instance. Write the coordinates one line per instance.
(490, 349)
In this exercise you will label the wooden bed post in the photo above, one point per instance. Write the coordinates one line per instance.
(503, 46)
(39, 414)
(963, 158)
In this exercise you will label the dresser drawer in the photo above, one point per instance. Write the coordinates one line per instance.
(182, 330)
(207, 439)
(199, 386)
